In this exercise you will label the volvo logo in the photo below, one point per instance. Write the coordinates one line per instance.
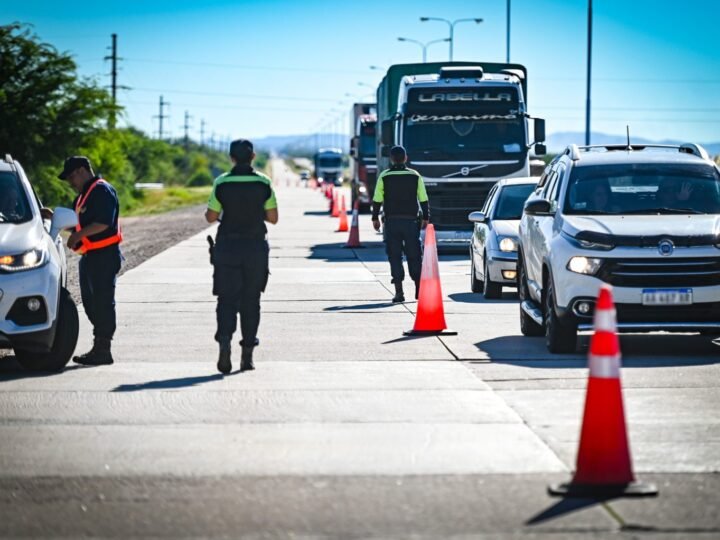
(666, 247)
(465, 171)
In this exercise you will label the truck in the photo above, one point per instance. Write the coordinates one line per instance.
(464, 126)
(363, 119)
(328, 164)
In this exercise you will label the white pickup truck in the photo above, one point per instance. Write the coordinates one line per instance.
(643, 218)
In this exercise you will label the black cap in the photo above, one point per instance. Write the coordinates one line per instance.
(242, 150)
(72, 164)
(398, 152)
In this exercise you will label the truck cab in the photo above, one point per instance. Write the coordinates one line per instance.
(362, 154)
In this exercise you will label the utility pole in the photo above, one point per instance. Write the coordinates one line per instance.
(589, 74)
(186, 127)
(161, 116)
(113, 74)
(202, 132)
(507, 48)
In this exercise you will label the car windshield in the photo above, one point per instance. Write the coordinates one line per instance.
(647, 188)
(511, 200)
(14, 206)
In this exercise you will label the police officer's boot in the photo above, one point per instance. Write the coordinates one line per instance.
(99, 355)
(246, 361)
(399, 295)
(224, 364)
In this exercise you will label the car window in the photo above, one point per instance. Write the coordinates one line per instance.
(560, 173)
(646, 188)
(511, 200)
(14, 205)
(488, 201)
(549, 185)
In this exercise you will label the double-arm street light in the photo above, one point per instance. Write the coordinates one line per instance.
(423, 45)
(451, 25)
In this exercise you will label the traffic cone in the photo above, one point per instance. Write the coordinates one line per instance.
(343, 223)
(335, 204)
(430, 316)
(354, 238)
(604, 467)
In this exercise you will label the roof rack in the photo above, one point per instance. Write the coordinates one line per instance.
(8, 158)
(574, 150)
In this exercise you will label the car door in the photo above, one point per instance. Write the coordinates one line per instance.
(534, 255)
(481, 230)
(546, 224)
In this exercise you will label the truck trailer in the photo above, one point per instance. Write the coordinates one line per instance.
(363, 120)
(464, 126)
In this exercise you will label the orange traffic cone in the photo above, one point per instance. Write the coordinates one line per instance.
(604, 467)
(430, 316)
(343, 223)
(335, 204)
(354, 238)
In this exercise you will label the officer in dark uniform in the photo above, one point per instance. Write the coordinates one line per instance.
(97, 238)
(398, 191)
(242, 200)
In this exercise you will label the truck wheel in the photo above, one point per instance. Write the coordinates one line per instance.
(560, 337)
(475, 285)
(66, 335)
(491, 289)
(528, 326)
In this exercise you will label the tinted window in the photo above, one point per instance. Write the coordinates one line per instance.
(14, 206)
(643, 189)
(511, 200)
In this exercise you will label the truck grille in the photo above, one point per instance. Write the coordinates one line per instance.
(450, 207)
(686, 272)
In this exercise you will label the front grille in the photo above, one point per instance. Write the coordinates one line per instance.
(706, 312)
(648, 273)
(450, 207)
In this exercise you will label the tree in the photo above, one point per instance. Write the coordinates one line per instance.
(46, 111)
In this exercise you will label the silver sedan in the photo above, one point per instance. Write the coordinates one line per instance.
(493, 248)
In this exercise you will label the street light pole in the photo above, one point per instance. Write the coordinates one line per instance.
(451, 24)
(507, 48)
(589, 74)
(423, 45)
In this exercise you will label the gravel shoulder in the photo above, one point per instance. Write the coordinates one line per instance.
(145, 237)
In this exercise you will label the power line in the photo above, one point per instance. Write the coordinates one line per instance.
(224, 94)
(246, 66)
(232, 107)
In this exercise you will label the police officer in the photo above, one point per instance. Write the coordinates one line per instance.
(242, 200)
(97, 238)
(398, 191)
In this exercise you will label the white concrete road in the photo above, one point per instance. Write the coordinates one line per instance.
(346, 428)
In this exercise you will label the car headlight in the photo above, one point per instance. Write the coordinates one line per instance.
(508, 244)
(584, 265)
(33, 258)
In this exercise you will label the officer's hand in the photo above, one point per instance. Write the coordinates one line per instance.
(73, 240)
(376, 224)
(424, 223)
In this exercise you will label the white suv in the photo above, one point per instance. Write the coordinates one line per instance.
(38, 318)
(643, 218)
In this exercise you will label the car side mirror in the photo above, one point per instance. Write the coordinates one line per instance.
(540, 149)
(538, 207)
(385, 150)
(63, 218)
(477, 217)
(539, 130)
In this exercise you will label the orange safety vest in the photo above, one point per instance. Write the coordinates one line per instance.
(87, 244)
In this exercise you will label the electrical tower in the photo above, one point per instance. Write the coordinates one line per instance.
(202, 132)
(113, 57)
(186, 128)
(161, 116)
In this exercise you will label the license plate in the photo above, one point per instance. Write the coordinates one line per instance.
(667, 297)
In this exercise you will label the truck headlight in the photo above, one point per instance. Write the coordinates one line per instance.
(33, 258)
(508, 244)
(584, 265)
(362, 189)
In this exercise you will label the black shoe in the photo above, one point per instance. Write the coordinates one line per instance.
(399, 295)
(224, 364)
(95, 358)
(246, 361)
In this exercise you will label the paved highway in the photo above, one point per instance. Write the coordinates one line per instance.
(346, 428)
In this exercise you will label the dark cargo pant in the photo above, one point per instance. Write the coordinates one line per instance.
(239, 278)
(98, 273)
(402, 235)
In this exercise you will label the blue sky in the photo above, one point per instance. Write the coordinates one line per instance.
(257, 68)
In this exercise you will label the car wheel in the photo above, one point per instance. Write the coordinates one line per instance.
(66, 335)
(528, 326)
(475, 285)
(560, 337)
(491, 289)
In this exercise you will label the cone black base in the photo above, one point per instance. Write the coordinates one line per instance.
(603, 491)
(429, 333)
